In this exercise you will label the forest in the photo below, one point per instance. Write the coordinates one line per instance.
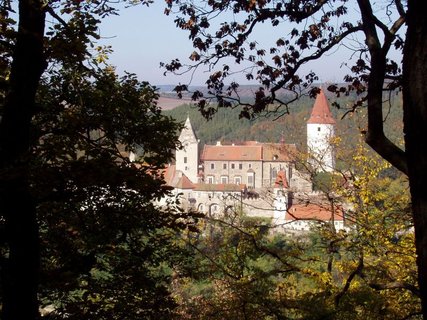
(81, 234)
(227, 126)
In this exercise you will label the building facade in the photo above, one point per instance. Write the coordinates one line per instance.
(252, 163)
(187, 157)
(320, 133)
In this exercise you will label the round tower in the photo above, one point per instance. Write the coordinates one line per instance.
(320, 131)
(187, 158)
(280, 190)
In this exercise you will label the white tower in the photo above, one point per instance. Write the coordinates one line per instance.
(280, 190)
(187, 158)
(320, 131)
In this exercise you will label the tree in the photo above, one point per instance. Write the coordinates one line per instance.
(78, 218)
(241, 271)
(314, 29)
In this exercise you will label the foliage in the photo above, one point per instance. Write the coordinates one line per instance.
(367, 271)
(105, 249)
(118, 244)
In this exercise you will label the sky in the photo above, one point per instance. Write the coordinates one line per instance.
(142, 37)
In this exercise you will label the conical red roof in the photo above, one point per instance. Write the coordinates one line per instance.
(321, 114)
(281, 181)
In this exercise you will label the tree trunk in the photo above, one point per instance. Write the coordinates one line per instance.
(415, 129)
(21, 269)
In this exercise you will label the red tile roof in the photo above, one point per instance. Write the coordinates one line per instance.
(169, 174)
(321, 114)
(233, 153)
(255, 152)
(278, 152)
(184, 183)
(281, 181)
(312, 212)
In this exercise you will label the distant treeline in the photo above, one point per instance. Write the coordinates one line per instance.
(226, 125)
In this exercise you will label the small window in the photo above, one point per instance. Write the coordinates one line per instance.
(224, 166)
(274, 173)
(232, 166)
(250, 165)
(318, 128)
(224, 179)
(212, 166)
(240, 166)
(210, 179)
(185, 159)
(237, 180)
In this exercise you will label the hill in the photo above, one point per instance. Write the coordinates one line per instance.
(226, 125)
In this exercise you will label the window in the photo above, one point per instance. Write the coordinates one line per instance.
(238, 180)
(212, 166)
(224, 166)
(250, 165)
(224, 179)
(210, 179)
(240, 166)
(185, 159)
(318, 128)
(232, 166)
(251, 180)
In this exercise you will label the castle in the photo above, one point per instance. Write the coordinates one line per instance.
(259, 178)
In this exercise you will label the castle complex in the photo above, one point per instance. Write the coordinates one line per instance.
(259, 178)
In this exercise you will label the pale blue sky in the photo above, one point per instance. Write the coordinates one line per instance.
(142, 37)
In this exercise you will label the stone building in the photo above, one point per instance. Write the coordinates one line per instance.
(252, 163)
(257, 178)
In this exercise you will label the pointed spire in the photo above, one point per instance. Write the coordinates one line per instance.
(321, 114)
(187, 132)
